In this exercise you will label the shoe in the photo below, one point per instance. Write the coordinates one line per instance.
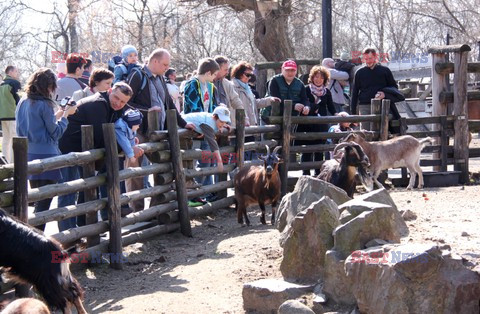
(199, 200)
(211, 197)
(194, 204)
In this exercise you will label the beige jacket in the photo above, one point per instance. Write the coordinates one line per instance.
(252, 105)
(233, 100)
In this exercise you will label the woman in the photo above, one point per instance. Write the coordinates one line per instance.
(38, 121)
(320, 100)
(100, 81)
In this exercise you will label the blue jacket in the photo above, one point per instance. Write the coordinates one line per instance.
(125, 137)
(36, 121)
(193, 101)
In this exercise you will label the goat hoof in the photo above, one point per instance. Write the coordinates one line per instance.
(420, 187)
(262, 220)
(409, 188)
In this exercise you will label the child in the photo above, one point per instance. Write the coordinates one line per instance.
(199, 93)
(126, 128)
(129, 61)
(340, 127)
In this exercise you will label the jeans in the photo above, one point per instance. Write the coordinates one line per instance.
(209, 162)
(69, 174)
(42, 205)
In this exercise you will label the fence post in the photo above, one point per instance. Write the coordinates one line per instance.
(443, 143)
(439, 84)
(286, 135)
(113, 193)
(89, 171)
(20, 193)
(460, 111)
(182, 198)
(376, 109)
(240, 137)
(384, 121)
(153, 125)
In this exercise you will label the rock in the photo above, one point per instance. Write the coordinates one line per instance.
(465, 234)
(412, 278)
(378, 196)
(382, 222)
(294, 307)
(266, 295)
(307, 191)
(336, 284)
(409, 215)
(355, 207)
(375, 242)
(307, 240)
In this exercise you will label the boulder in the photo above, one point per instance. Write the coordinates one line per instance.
(266, 295)
(380, 222)
(294, 307)
(378, 196)
(355, 207)
(307, 191)
(307, 240)
(336, 285)
(412, 278)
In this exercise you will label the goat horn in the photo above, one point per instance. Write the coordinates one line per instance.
(268, 150)
(276, 149)
(340, 146)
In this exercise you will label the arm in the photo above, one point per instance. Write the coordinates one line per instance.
(122, 139)
(338, 75)
(235, 101)
(118, 72)
(390, 80)
(209, 134)
(54, 128)
(14, 90)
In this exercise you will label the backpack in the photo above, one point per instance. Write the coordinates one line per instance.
(344, 66)
(113, 62)
(142, 73)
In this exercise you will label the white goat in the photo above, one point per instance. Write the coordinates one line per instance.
(401, 151)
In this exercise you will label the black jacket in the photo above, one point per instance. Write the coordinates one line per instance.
(94, 110)
(141, 97)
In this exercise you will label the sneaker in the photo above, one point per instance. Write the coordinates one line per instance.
(194, 204)
(200, 200)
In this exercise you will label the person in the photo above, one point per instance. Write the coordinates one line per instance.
(200, 95)
(188, 76)
(225, 92)
(320, 104)
(37, 120)
(9, 99)
(71, 83)
(126, 129)
(173, 90)
(253, 86)
(100, 81)
(128, 63)
(368, 83)
(104, 107)
(340, 127)
(150, 93)
(86, 71)
(338, 80)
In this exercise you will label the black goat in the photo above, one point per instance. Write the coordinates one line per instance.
(342, 173)
(28, 255)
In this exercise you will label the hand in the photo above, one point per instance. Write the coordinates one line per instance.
(137, 151)
(132, 159)
(220, 166)
(156, 108)
(299, 107)
(275, 99)
(69, 110)
(380, 95)
(190, 126)
(227, 126)
(136, 140)
(305, 110)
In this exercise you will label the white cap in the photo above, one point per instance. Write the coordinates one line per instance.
(223, 114)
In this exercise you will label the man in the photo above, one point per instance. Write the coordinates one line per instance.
(87, 71)
(150, 93)
(287, 86)
(368, 84)
(100, 108)
(338, 79)
(71, 83)
(225, 91)
(8, 101)
(173, 90)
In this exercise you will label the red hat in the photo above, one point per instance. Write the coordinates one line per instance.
(289, 64)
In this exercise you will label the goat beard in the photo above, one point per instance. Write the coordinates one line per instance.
(366, 178)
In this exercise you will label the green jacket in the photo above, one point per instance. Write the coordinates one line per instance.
(8, 98)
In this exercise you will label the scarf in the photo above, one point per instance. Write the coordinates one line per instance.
(317, 91)
(245, 87)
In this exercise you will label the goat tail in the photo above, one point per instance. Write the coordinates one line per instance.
(424, 141)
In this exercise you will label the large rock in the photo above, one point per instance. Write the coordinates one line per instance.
(294, 307)
(307, 240)
(378, 196)
(336, 284)
(307, 191)
(378, 221)
(266, 295)
(412, 278)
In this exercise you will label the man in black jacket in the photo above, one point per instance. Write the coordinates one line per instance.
(150, 93)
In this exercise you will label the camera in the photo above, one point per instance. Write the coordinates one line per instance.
(67, 102)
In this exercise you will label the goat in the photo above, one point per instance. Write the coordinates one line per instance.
(27, 255)
(342, 173)
(401, 151)
(256, 184)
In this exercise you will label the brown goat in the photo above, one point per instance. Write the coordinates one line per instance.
(401, 151)
(260, 185)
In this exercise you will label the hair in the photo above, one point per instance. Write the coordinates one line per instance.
(74, 61)
(207, 65)
(369, 50)
(9, 68)
(99, 75)
(239, 69)
(158, 54)
(88, 63)
(221, 60)
(252, 79)
(169, 72)
(322, 70)
(124, 88)
(41, 83)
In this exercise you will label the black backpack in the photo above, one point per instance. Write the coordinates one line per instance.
(345, 66)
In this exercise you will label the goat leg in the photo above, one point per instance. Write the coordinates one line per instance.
(240, 212)
(420, 176)
(262, 218)
(79, 306)
(413, 174)
(247, 221)
(274, 209)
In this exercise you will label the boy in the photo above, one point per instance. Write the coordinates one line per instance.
(340, 127)
(125, 129)
(129, 61)
(199, 93)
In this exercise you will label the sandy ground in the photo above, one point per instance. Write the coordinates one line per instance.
(205, 274)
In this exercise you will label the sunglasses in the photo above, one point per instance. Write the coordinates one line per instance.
(248, 74)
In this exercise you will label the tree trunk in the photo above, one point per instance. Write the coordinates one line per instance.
(72, 21)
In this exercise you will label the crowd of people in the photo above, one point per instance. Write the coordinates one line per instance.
(53, 108)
